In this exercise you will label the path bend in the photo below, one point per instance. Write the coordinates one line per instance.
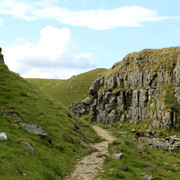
(91, 165)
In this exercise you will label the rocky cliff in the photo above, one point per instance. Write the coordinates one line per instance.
(1, 57)
(142, 88)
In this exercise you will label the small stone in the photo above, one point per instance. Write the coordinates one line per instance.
(133, 130)
(142, 147)
(117, 155)
(147, 176)
(147, 168)
(3, 136)
(134, 139)
(125, 168)
(31, 149)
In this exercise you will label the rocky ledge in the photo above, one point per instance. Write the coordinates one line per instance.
(142, 88)
(168, 144)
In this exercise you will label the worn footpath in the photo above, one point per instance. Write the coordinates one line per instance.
(91, 165)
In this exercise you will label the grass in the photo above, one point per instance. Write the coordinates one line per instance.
(51, 161)
(151, 59)
(68, 91)
(169, 97)
(135, 163)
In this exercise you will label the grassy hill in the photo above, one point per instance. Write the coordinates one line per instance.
(51, 160)
(68, 91)
(153, 59)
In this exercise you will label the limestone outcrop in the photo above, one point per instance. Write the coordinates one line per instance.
(142, 88)
(168, 144)
(1, 57)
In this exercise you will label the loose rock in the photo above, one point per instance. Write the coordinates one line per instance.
(142, 147)
(31, 149)
(168, 144)
(3, 136)
(117, 155)
(38, 131)
(148, 177)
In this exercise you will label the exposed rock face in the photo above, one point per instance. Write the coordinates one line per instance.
(1, 57)
(143, 88)
(80, 108)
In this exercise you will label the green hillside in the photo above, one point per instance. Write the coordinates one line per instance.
(68, 91)
(20, 99)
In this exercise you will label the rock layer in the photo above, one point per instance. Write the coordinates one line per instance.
(142, 88)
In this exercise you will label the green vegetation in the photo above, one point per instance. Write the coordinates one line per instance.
(101, 89)
(68, 91)
(51, 161)
(135, 163)
(151, 59)
(169, 97)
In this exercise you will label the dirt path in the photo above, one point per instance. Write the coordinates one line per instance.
(89, 166)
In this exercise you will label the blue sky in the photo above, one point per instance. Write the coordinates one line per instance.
(61, 38)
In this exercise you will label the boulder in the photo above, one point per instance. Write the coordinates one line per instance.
(117, 156)
(80, 108)
(38, 131)
(3, 136)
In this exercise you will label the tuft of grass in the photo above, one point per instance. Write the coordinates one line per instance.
(152, 59)
(51, 161)
(68, 91)
(169, 97)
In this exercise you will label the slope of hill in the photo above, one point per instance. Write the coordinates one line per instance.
(52, 159)
(71, 90)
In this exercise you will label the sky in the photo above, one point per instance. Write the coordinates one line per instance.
(60, 38)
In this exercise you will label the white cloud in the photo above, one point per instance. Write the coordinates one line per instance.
(45, 3)
(53, 56)
(34, 73)
(99, 19)
(47, 73)
(18, 9)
